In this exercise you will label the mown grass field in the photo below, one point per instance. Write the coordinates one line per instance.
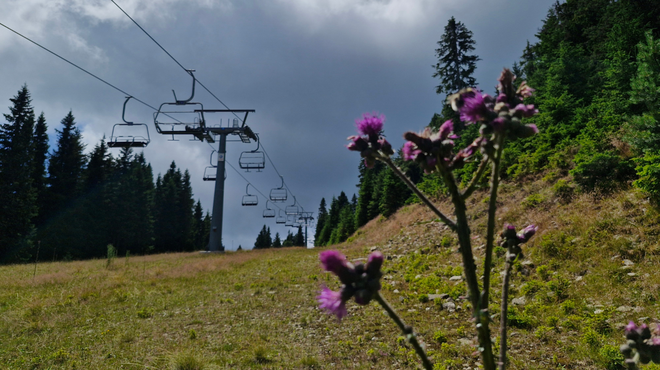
(592, 267)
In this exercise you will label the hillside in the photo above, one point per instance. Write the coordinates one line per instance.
(588, 271)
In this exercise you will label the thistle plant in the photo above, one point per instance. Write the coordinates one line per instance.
(500, 119)
(642, 345)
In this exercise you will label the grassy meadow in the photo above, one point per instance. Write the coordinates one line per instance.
(592, 267)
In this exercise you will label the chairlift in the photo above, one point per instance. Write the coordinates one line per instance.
(195, 127)
(280, 219)
(279, 194)
(127, 138)
(253, 159)
(210, 172)
(290, 221)
(292, 209)
(249, 199)
(268, 213)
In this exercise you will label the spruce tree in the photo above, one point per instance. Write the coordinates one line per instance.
(39, 157)
(455, 65)
(65, 168)
(277, 243)
(323, 214)
(299, 240)
(17, 195)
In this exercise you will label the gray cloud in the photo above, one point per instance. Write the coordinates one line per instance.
(308, 67)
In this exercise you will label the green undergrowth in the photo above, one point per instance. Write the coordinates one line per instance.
(592, 267)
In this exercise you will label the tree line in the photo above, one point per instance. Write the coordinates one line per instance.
(597, 78)
(265, 239)
(70, 205)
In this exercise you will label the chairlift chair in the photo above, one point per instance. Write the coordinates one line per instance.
(211, 172)
(249, 199)
(290, 220)
(253, 159)
(292, 209)
(124, 139)
(196, 128)
(268, 213)
(279, 194)
(280, 219)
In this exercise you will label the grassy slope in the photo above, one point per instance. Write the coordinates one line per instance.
(257, 309)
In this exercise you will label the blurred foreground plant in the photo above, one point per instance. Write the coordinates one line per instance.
(500, 119)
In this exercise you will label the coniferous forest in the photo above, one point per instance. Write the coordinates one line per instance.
(64, 204)
(596, 71)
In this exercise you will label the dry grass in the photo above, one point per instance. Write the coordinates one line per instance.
(257, 309)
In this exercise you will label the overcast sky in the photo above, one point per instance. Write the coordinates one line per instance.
(308, 67)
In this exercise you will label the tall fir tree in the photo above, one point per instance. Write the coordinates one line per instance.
(456, 64)
(322, 216)
(65, 168)
(17, 194)
(39, 159)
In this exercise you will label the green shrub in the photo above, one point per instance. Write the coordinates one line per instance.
(602, 171)
(611, 357)
(440, 337)
(563, 190)
(532, 201)
(111, 254)
(520, 320)
(187, 362)
(648, 170)
(555, 244)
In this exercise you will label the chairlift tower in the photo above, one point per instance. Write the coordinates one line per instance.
(200, 131)
(305, 217)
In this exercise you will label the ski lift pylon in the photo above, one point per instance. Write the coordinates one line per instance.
(253, 159)
(279, 194)
(123, 139)
(249, 199)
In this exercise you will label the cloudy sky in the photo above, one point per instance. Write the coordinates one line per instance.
(308, 67)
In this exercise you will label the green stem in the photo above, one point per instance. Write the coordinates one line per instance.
(492, 209)
(413, 187)
(406, 330)
(472, 186)
(504, 310)
(470, 270)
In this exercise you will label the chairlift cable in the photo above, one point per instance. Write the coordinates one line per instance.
(80, 68)
(198, 81)
(170, 55)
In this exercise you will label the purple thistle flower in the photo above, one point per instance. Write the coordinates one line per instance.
(374, 263)
(336, 263)
(474, 107)
(358, 143)
(523, 110)
(331, 301)
(446, 129)
(524, 91)
(410, 151)
(527, 233)
(371, 124)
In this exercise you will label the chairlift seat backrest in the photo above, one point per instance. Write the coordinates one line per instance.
(252, 160)
(280, 219)
(278, 195)
(269, 213)
(210, 173)
(250, 200)
(291, 210)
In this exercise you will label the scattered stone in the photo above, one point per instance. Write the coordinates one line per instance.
(598, 311)
(642, 319)
(626, 267)
(373, 248)
(456, 278)
(638, 309)
(624, 308)
(395, 291)
(418, 277)
(528, 263)
(579, 278)
(449, 306)
(631, 274)
(465, 341)
(628, 262)
(519, 301)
